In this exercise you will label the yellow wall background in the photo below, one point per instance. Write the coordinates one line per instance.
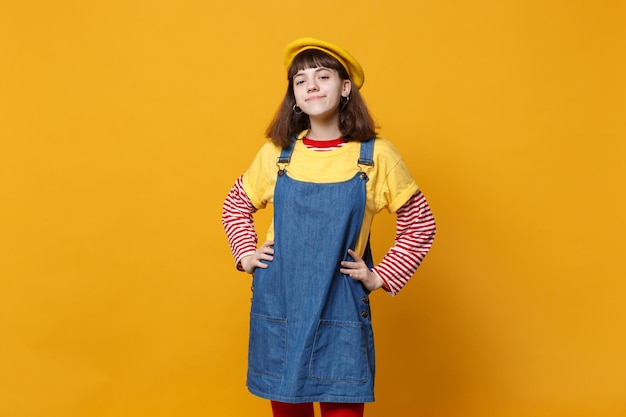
(123, 125)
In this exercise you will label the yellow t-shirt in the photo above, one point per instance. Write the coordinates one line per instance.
(390, 183)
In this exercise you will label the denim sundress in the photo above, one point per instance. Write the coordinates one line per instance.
(311, 336)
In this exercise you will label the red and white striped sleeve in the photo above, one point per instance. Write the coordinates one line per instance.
(238, 222)
(415, 231)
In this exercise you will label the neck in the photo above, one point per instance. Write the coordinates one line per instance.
(324, 129)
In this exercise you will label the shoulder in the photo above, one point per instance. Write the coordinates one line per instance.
(267, 154)
(388, 162)
(260, 176)
(393, 180)
(385, 151)
(264, 160)
(269, 148)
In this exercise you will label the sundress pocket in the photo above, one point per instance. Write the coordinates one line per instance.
(339, 352)
(266, 353)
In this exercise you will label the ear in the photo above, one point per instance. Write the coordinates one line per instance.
(346, 88)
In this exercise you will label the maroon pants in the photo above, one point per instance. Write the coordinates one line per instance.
(328, 409)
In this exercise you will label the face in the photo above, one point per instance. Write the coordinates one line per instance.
(318, 91)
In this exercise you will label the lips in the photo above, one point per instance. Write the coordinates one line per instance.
(314, 98)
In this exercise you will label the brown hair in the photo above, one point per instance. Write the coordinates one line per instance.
(355, 121)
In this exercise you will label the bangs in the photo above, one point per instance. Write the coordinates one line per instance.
(314, 58)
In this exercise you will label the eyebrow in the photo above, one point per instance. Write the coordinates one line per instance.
(318, 69)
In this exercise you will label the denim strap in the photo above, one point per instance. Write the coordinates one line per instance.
(367, 153)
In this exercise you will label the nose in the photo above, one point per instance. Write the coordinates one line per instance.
(311, 85)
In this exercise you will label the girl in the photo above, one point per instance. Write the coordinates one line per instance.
(327, 174)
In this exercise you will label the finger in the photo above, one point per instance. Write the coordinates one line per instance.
(355, 255)
(349, 265)
(261, 265)
(349, 272)
(354, 266)
(267, 247)
(266, 251)
(260, 256)
(263, 257)
(354, 274)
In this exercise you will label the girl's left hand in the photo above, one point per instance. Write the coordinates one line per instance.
(358, 270)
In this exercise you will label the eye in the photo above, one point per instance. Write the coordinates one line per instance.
(298, 81)
(324, 75)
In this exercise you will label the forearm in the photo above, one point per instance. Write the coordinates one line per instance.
(238, 222)
(415, 231)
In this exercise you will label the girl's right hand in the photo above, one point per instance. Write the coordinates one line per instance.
(265, 252)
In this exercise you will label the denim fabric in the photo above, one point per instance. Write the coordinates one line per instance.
(310, 326)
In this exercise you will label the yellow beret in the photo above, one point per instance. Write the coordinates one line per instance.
(348, 61)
